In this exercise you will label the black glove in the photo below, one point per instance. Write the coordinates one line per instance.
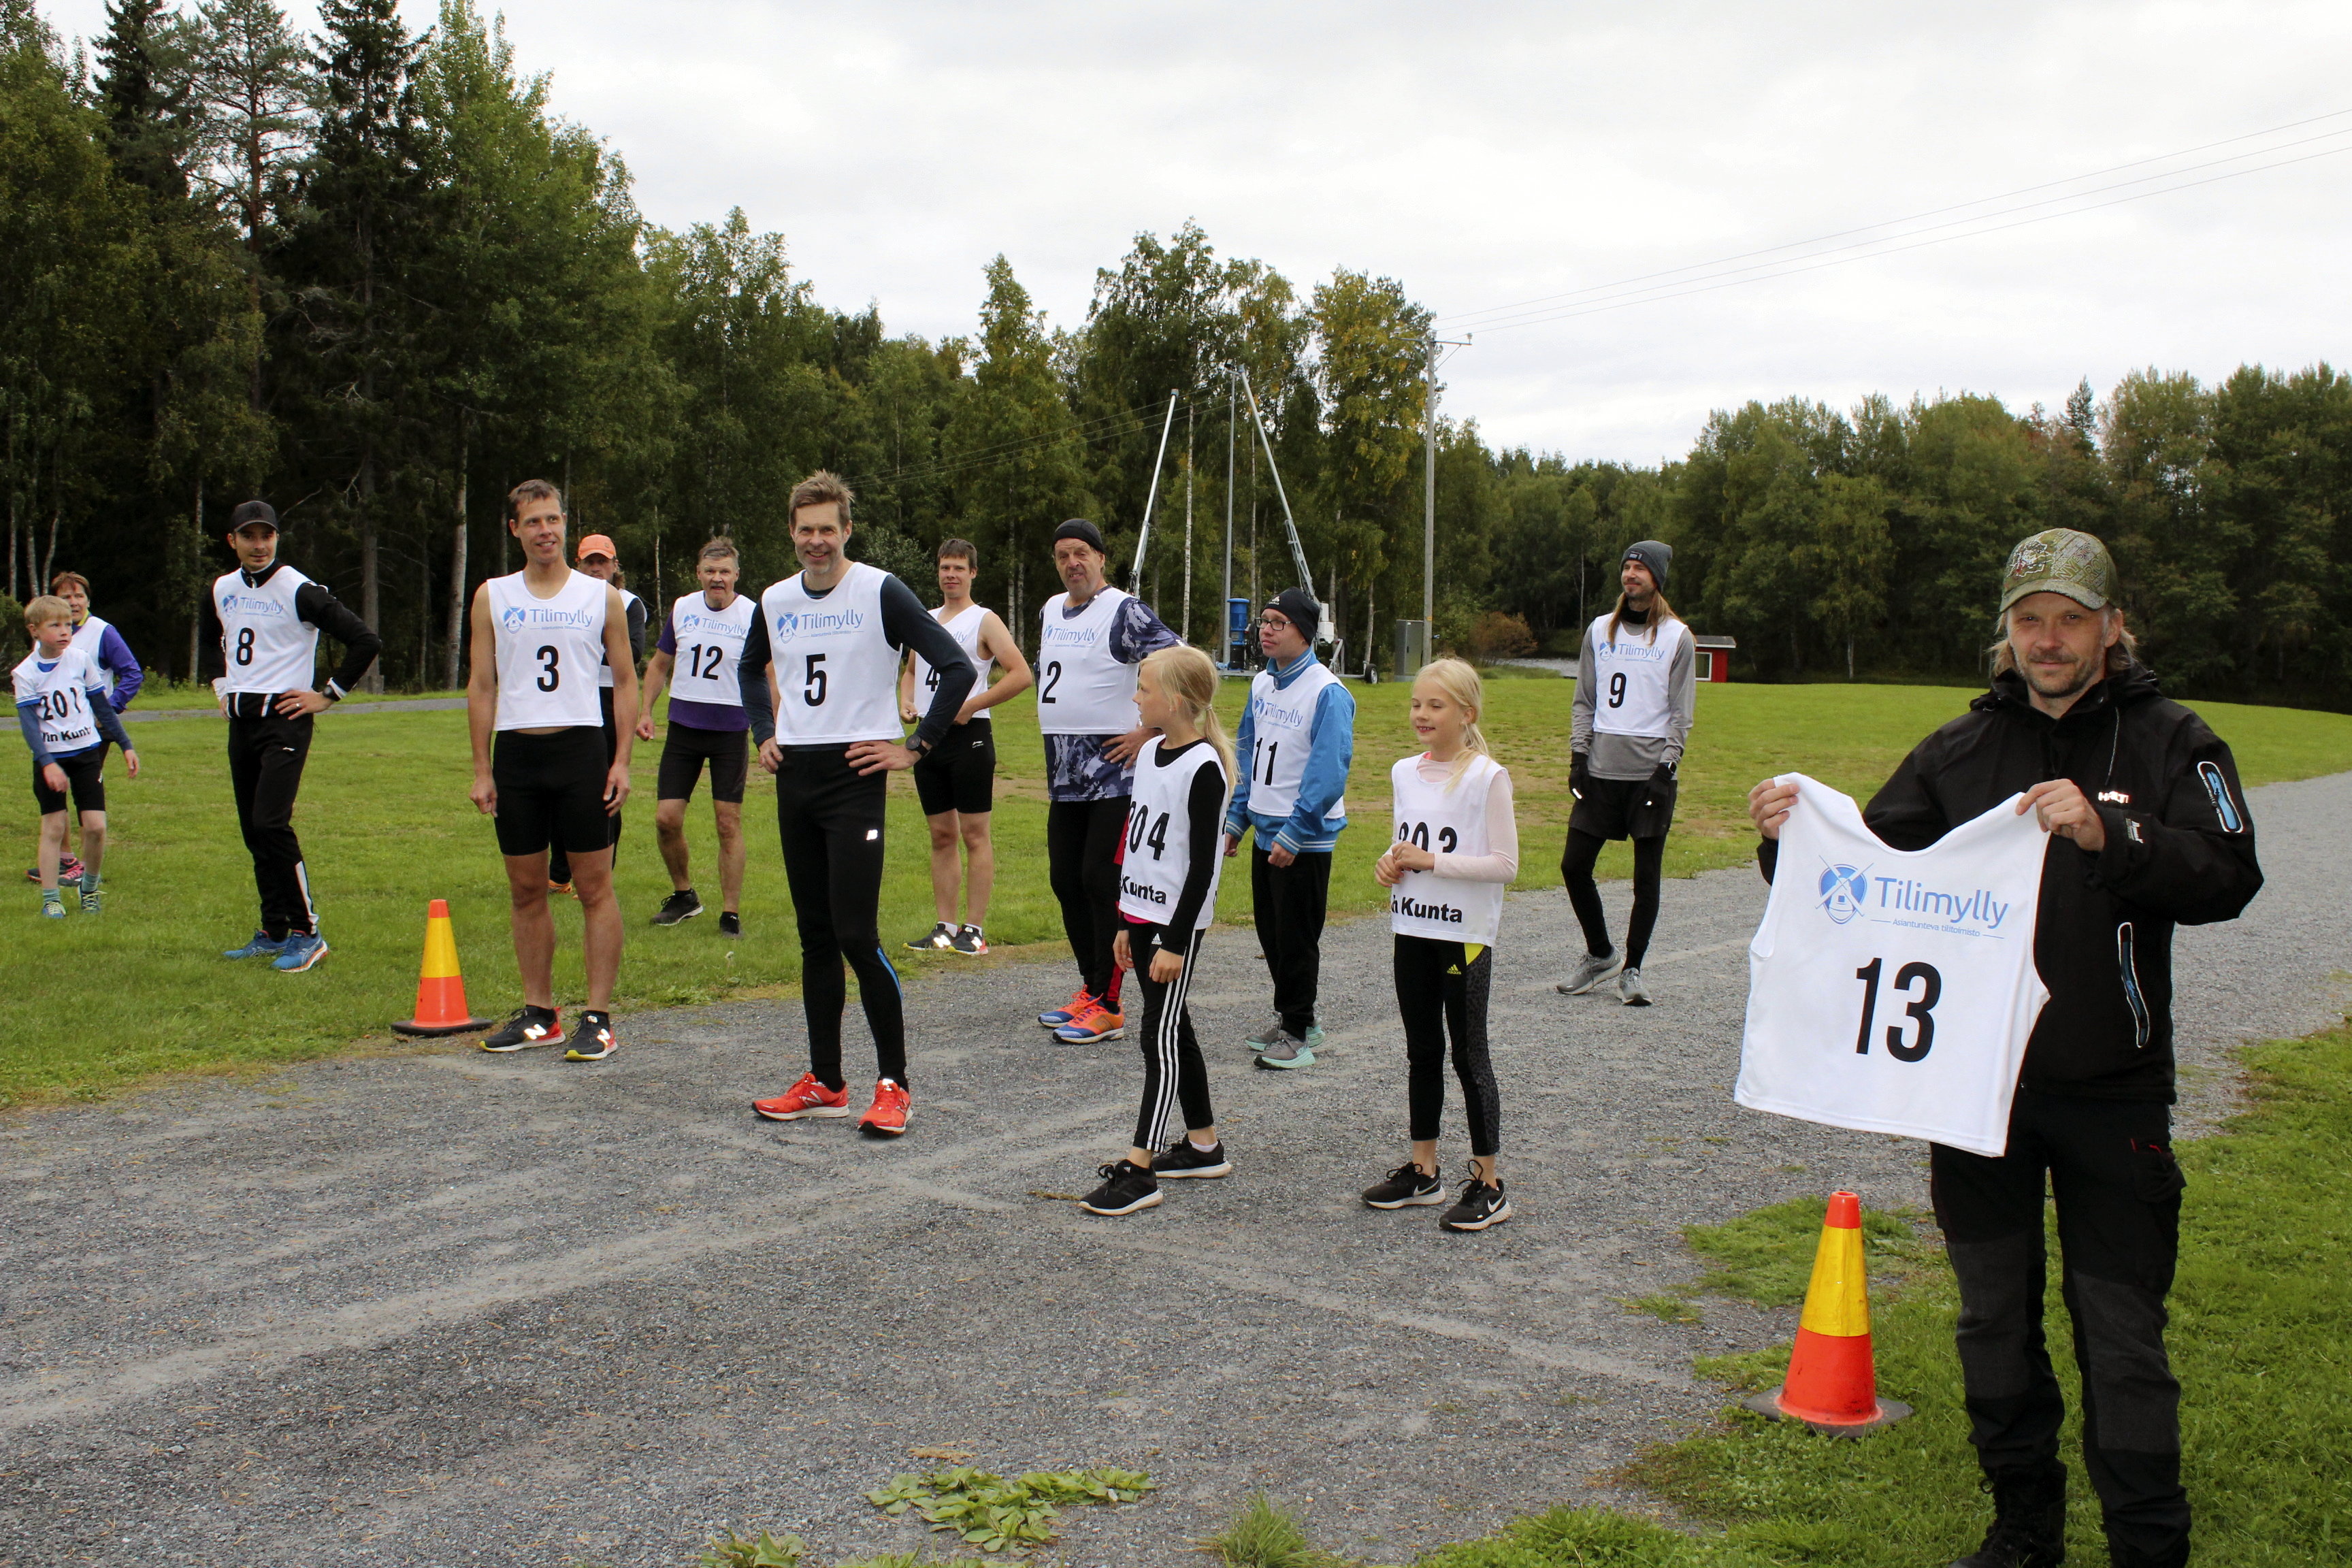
(1663, 778)
(1580, 773)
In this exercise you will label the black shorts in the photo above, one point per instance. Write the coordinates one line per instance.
(959, 772)
(551, 790)
(85, 776)
(685, 749)
(1623, 808)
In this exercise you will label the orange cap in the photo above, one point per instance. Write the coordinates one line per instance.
(596, 544)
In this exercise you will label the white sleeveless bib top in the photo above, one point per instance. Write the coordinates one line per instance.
(965, 628)
(838, 671)
(549, 651)
(1630, 676)
(1081, 690)
(1446, 821)
(265, 644)
(1159, 847)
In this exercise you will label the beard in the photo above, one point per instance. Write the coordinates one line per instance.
(2068, 679)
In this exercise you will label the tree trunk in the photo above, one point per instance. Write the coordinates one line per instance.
(1849, 655)
(195, 616)
(457, 569)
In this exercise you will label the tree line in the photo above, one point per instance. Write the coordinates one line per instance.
(370, 275)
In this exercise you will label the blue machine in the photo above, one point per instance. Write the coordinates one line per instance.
(1237, 624)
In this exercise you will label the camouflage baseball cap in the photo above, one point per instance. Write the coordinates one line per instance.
(2060, 560)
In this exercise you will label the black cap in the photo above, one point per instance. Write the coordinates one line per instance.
(1654, 555)
(1079, 527)
(1299, 606)
(259, 511)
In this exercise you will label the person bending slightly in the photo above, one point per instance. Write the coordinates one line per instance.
(1170, 860)
(1456, 849)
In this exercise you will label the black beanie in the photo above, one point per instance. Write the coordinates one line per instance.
(1654, 555)
(1079, 527)
(1299, 606)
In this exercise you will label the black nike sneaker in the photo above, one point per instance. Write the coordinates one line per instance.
(679, 906)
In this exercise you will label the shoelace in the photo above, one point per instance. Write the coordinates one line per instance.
(1408, 1171)
(1115, 1170)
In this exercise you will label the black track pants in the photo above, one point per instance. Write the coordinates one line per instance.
(831, 820)
(1173, 1072)
(1439, 992)
(559, 864)
(2110, 1167)
(264, 768)
(1290, 902)
(1575, 863)
(1082, 863)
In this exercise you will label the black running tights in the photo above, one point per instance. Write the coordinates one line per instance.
(1173, 1072)
(1439, 991)
(1576, 870)
(1082, 840)
(830, 819)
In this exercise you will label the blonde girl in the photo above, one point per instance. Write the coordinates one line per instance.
(1455, 849)
(1168, 864)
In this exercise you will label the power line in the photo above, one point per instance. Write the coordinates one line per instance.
(1529, 312)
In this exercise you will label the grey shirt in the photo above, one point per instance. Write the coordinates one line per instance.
(1615, 757)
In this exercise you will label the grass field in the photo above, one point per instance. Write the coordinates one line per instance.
(387, 826)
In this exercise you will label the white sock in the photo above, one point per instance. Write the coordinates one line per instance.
(1207, 1148)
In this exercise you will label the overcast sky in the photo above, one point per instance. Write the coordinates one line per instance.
(1486, 154)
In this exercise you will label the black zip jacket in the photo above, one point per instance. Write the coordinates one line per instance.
(2180, 851)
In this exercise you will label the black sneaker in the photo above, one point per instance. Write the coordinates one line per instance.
(940, 939)
(594, 1040)
(1407, 1186)
(1180, 1160)
(1478, 1207)
(1126, 1187)
(529, 1027)
(679, 906)
(730, 924)
(970, 941)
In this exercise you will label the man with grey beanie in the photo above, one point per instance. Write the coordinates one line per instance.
(1636, 689)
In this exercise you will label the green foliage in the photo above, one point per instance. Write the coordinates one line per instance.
(992, 1513)
(1264, 1534)
(764, 1550)
(1666, 1309)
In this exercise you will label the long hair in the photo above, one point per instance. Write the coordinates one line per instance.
(2121, 655)
(1186, 674)
(1461, 686)
(1659, 611)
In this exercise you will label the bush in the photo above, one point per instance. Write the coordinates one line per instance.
(1497, 635)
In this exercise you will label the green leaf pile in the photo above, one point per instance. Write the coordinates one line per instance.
(992, 1513)
(764, 1550)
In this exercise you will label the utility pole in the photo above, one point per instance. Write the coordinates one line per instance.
(1428, 646)
(1187, 634)
(1226, 604)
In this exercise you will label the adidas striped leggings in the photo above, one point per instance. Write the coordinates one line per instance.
(1173, 1072)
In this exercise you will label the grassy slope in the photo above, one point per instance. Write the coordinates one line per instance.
(387, 826)
(2260, 1327)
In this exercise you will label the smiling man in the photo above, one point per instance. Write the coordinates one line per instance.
(2150, 831)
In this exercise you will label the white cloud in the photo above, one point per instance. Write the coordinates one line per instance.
(1489, 154)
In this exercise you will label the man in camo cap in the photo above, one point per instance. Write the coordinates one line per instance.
(2150, 831)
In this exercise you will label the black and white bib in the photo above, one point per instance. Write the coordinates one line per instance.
(1446, 819)
(1081, 690)
(1282, 725)
(548, 651)
(835, 666)
(1160, 848)
(265, 644)
(966, 629)
(604, 671)
(709, 645)
(1631, 691)
(62, 694)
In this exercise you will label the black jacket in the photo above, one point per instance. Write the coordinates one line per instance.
(2180, 851)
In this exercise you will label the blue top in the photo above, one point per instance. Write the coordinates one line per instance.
(114, 658)
(1312, 827)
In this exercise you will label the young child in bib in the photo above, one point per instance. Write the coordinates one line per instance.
(1168, 864)
(1455, 849)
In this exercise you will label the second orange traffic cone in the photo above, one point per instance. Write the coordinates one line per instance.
(440, 989)
(1833, 1386)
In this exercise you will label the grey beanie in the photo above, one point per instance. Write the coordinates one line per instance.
(1657, 557)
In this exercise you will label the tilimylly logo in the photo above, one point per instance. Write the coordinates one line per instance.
(791, 624)
(1843, 892)
(236, 604)
(517, 617)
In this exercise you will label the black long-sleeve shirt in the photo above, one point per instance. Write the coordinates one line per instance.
(906, 625)
(2180, 851)
(314, 605)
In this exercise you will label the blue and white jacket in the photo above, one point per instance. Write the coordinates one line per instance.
(1313, 825)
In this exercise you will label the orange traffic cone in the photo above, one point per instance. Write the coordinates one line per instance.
(440, 989)
(1831, 1386)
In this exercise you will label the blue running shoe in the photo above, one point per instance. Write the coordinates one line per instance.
(303, 949)
(263, 945)
(53, 908)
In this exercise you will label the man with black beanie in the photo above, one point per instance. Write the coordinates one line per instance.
(1636, 692)
(268, 617)
(2150, 831)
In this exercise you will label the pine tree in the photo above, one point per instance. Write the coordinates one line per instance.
(147, 122)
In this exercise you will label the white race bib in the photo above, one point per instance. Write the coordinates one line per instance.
(1631, 678)
(549, 651)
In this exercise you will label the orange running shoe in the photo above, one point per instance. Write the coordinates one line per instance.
(889, 1117)
(1055, 1018)
(1092, 1022)
(805, 1099)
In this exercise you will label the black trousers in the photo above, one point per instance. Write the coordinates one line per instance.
(2110, 1167)
(1290, 902)
(265, 769)
(1576, 861)
(1082, 840)
(559, 864)
(830, 821)
(1442, 990)
(1173, 1072)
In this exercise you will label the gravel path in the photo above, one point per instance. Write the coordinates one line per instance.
(452, 1309)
